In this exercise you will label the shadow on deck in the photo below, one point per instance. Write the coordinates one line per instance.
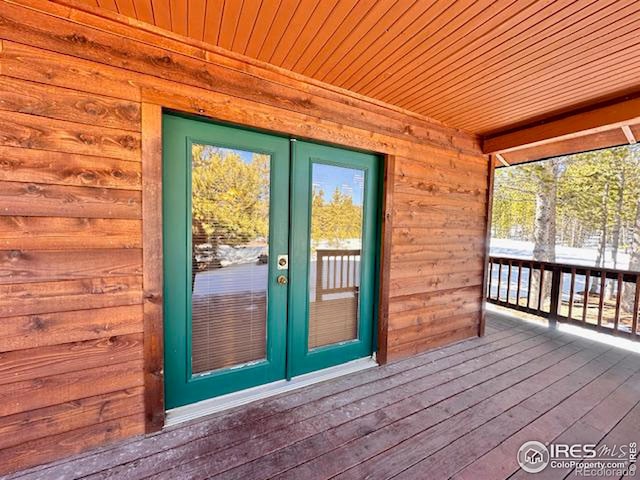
(461, 411)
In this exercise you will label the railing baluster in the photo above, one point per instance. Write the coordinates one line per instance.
(636, 306)
(618, 299)
(554, 303)
(519, 279)
(345, 270)
(354, 264)
(490, 280)
(509, 282)
(529, 284)
(540, 293)
(585, 303)
(571, 290)
(499, 279)
(603, 284)
(319, 274)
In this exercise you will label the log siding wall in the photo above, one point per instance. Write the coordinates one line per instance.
(80, 251)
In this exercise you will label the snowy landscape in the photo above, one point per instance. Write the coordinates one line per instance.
(503, 247)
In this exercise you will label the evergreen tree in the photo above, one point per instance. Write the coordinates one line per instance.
(230, 197)
(335, 221)
(587, 200)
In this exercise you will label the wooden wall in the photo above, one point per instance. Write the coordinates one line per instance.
(80, 243)
(437, 251)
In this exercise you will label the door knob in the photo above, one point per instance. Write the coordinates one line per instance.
(282, 280)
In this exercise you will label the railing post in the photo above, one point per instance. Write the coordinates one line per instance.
(556, 276)
(319, 274)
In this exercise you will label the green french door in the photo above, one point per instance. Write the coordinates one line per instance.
(269, 258)
(333, 256)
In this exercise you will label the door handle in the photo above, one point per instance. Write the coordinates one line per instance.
(282, 280)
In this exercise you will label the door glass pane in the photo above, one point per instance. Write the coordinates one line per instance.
(336, 240)
(230, 232)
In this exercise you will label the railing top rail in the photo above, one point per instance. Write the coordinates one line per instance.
(337, 252)
(612, 308)
(565, 267)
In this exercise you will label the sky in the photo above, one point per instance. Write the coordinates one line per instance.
(349, 181)
(326, 177)
(247, 157)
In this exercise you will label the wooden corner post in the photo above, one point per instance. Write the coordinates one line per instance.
(385, 257)
(152, 265)
(490, 174)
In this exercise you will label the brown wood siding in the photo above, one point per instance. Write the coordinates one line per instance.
(80, 242)
(437, 252)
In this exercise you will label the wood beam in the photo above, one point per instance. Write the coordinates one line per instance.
(605, 117)
(502, 160)
(629, 134)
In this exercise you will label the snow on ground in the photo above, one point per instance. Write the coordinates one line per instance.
(502, 247)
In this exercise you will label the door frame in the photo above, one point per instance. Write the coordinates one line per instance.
(182, 386)
(305, 154)
(152, 246)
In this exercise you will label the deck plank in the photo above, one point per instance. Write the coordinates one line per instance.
(591, 428)
(624, 432)
(173, 438)
(444, 395)
(307, 419)
(557, 411)
(397, 450)
(374, 411)
(480, 397)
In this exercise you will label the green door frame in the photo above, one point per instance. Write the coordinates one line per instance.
(181, 387)
(301, 359)
(287, 352)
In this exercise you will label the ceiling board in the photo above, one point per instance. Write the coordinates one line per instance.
(161, 13)
(553, 46)
(479, 65)
(196, 18)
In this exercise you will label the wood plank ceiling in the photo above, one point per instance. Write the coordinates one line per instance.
(479, 65)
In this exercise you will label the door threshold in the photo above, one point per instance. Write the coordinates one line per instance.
(224, 402)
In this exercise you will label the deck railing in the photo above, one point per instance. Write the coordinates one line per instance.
(601, 299)
(337, 271)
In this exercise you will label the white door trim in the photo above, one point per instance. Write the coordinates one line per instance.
(224, 402)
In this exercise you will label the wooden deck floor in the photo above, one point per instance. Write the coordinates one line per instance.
(461, 411)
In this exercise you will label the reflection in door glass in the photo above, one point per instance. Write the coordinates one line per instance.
(230, 232)
(336, 240)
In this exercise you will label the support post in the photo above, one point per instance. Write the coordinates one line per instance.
(556, 276)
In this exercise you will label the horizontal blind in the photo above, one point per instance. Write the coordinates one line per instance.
(230, 251)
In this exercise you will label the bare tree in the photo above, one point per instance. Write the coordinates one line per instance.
(546, 175)
(634, 263)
